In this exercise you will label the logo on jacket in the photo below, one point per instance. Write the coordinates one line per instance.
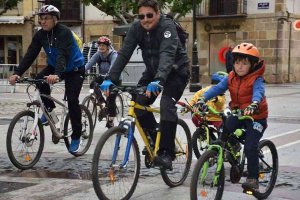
(167, 34)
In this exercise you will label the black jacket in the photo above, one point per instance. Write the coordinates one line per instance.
(161, 50)
(63, 53)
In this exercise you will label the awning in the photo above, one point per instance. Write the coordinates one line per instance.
(11, 19)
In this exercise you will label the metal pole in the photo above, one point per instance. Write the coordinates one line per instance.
(195, 68)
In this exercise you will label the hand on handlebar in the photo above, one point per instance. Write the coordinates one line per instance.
(200, 105)
(12, 79)
(106, 84)
(51, 79)
(153, 87)
(250, 110)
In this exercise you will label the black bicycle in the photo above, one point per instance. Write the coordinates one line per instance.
(97, 104)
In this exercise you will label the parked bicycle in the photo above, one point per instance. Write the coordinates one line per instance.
(116, 161)
(209, 175)
(204, 134)
(97, 104)
(25, 136)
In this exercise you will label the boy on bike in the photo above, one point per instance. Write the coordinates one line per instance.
(166, 65)
(247, 92)
(217, 103)
(105, 58)
(65, 61)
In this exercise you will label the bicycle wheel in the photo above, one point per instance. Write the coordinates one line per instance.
(23, 150)
(111, 181)
(183, 152)
(120, 107)
(90, 102)
(203, 178)
(86, 133)
(268, 168)
(199, 143)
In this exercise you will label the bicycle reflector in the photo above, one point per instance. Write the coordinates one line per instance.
(197, 119)
(296, 25)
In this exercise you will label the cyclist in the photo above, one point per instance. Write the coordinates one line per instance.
(104, 57)
(166, 65)
(247, 91)
(65, 61)
(217, 103)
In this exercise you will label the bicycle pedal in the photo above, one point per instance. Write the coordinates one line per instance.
(55, 140)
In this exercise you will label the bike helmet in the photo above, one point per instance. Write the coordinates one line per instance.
(218, 76)
(104, 40)
(49, 9)
(247, 49)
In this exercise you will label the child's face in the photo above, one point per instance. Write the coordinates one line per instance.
(242, 66)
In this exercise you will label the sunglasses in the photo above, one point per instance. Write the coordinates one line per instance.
(148, 15)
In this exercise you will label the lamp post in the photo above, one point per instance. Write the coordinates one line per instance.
(195, 68)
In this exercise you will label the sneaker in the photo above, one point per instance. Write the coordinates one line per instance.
(44, 120)
(251, 183)
(110, 123)
(163, 161)
(74, 146)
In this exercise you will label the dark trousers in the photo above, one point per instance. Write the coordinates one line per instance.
(254, 132)
(172, 92)
(73, 85)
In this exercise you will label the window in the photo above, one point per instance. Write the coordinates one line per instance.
(69, 9)
(223, 7)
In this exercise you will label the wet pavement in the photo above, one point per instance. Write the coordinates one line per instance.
(60, 175)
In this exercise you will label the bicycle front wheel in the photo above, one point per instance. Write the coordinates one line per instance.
(86, 132)
(206, 183)
(112, 178)
(90, 102)
(268, 168)
(183, 152)
(120, 107)
(25, 143)
(199, 141)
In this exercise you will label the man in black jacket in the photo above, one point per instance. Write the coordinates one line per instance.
(65, 61)
(166, 65)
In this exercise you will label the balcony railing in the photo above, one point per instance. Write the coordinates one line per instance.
(222, 8)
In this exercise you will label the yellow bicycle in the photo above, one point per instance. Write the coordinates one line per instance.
(116, 161)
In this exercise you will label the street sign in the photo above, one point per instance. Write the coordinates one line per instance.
(296, 25)
(263, 5)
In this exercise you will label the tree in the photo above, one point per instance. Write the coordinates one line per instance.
(8, 5)
(126, 10)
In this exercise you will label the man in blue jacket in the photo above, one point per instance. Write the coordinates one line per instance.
(65, 61)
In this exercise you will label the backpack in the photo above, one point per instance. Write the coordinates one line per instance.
(182, 34)
(77, 39)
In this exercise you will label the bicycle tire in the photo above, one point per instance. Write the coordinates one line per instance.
(86, 134)
(183, 160)
(199, 141)
(104, 174)
(120, 107)
(266, 187)
(24, 143)
(198, 188)
(90, 102)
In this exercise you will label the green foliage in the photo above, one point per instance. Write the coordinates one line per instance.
(8, 5)
(128, 8)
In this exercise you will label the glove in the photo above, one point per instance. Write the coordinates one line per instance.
(153, 87)
(105, 85)
(201, 105)
(250, 110)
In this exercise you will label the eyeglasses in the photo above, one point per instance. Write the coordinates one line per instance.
(47, 18)
(148, 15)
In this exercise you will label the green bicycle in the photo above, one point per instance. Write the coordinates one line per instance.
(209, 175)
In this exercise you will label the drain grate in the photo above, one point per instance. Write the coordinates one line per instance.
(11, 186)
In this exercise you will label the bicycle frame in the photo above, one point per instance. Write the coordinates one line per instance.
(131, 122)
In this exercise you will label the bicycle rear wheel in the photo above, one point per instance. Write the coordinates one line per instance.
(183, 151)
(268, 168)
(199, 142)
(110, 180)
(90, 102)
(204, 183)
(24, 149)
(86, 133)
